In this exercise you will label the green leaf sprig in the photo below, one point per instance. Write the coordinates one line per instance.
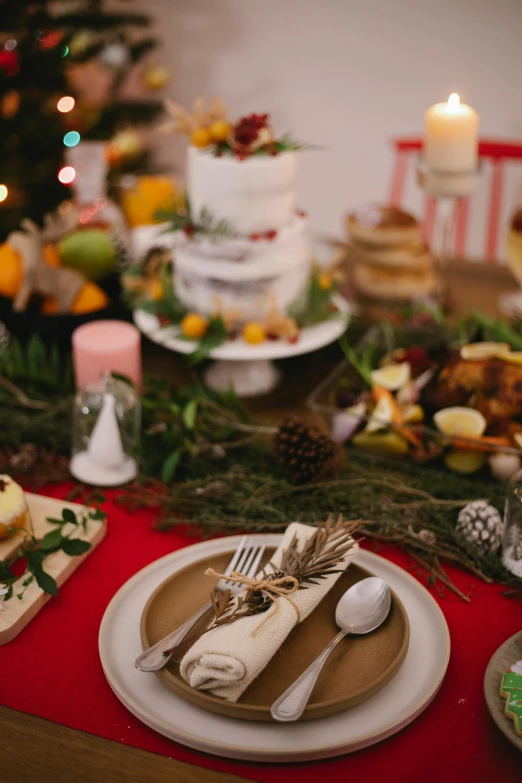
(35, 552)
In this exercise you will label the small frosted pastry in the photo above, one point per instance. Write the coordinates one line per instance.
(377, 225)
(414, 256)
(386, 282)
(13, 510)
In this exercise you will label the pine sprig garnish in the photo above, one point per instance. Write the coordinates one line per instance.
(288, 144)
(316, 304)
(205, 224)
(321, 553)
(212, 228)
(318, 558)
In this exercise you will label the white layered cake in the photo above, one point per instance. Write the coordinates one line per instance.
(260, 257)
(252, 194)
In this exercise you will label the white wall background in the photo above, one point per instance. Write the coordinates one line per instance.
(347, 75)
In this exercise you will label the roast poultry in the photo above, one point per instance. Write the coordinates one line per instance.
(492, 386)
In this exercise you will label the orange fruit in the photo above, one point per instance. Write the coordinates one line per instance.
(201, 137)
(90, 299)
(194, 326)
(10, 271)
(253, 333)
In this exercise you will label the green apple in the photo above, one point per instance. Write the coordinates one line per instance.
(89, 251)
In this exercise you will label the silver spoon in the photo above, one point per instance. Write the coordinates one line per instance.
(362, 609)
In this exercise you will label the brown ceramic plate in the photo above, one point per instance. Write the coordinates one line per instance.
(507, 654)
(358, 668)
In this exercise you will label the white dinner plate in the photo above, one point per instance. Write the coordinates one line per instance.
(311, 338)
(402, 700)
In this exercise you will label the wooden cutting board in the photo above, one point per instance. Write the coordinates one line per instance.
(17, 614)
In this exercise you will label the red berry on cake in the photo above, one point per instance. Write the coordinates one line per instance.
(271, 235)
(250, 133)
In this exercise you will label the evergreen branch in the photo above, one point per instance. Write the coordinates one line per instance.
(363, 364)
(498, 331)
(213, 228)
(315, 306)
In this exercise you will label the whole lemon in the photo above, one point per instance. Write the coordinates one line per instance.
(201, 137)
(219, 130)
(253, 333)
(194, 326)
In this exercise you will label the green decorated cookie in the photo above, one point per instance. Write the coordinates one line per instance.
(511, 689)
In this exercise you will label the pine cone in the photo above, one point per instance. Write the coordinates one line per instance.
(304, 450)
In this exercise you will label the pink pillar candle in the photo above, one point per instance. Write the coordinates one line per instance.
(106, 346)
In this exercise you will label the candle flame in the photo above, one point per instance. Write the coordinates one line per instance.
(453, 102)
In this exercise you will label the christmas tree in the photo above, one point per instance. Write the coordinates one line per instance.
(64, 67)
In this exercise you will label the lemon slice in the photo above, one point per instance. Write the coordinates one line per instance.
(392, 377)
(412, 414)
(475, 351)
(466, 422)
(382, 415)
(513, 357)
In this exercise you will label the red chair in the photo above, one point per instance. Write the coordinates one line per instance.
(497, 152)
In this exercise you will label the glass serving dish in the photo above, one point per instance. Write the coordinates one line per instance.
(345, 401)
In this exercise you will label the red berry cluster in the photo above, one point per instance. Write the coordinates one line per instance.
(269, 235)
(247, 128)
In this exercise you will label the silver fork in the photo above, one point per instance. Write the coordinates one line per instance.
(245, 561)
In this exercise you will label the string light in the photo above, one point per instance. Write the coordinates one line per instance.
(3, 192)
(10, 44)
(65, 104)
(71, 138)
(66, 175)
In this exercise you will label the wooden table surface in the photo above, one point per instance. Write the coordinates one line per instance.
(33, 750)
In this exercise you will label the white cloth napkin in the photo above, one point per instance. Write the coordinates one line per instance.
(225, 660)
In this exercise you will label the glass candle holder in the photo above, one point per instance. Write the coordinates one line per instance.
(106, 428)
(512, 538)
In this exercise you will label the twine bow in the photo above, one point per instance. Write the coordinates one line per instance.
(270, 588)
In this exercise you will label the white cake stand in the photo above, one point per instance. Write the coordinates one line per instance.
(248, 369)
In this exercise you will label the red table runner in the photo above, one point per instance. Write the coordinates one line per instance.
(53, 670)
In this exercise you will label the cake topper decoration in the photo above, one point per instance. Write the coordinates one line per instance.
(208, 127)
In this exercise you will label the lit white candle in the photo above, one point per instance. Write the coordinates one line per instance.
(451, 136)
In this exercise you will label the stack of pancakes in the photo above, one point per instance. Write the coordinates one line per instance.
(391, 261)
